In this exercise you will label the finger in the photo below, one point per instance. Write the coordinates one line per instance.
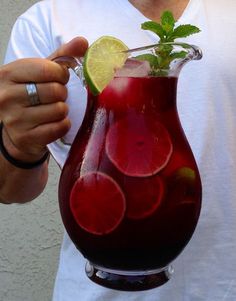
(18, 96)
(43, 114)
(34, 140)
(46, 133)
(48, 93)
(35, 70)
(44, 70)
(76, 47)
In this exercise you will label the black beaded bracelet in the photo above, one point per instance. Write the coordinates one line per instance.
(18, 163)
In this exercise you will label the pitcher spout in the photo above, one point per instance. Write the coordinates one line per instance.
(196, 52)
(183, 53)
(166, 59)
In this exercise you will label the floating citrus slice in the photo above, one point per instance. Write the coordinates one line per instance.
(143, 196)
(185, 174)
(97, 203)
(184, 186)
(101, 60)
(138, 146)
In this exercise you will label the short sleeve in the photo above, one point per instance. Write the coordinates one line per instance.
(30, 35)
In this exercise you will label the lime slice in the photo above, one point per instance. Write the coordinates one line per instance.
(184, 186)
(97, 203)
(186, 173)
(143, 196)
(138, 146)
(101, 60)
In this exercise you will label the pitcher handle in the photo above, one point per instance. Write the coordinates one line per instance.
(60, 146)
(73, 63)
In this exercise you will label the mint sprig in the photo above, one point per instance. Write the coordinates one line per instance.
(168, 32)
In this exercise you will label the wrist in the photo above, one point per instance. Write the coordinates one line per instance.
(16, 157)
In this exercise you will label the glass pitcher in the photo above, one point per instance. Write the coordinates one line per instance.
(130, 190)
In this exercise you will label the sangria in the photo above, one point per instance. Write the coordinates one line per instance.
(130, 191)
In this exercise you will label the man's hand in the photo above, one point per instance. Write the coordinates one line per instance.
(28, 129)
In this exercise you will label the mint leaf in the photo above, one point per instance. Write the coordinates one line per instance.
(167, 31)
(167, 21)
(183, 31)
(154, 27)
(151, 58)
(178, 55)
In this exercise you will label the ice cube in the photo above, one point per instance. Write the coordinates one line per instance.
(134, 68)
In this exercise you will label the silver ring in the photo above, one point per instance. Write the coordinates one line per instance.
(33, 94)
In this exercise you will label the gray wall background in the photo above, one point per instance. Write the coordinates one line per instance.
(30, 234)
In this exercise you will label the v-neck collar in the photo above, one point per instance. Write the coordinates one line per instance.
(190, 11)
(134, 13)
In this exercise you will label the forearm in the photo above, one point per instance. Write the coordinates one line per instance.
(18, 185)
(29, 128)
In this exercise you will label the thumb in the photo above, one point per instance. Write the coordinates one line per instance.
(76, 47)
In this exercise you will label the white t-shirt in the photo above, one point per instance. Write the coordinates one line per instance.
(206, 269)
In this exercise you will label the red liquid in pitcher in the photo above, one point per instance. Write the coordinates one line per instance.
(130, 191)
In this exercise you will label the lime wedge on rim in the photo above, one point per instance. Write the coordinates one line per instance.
(101, 60)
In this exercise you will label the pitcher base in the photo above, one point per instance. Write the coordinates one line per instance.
(127, 280)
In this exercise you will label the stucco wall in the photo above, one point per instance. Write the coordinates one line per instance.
(31, 234)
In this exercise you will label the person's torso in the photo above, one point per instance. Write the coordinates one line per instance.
(206, 269)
